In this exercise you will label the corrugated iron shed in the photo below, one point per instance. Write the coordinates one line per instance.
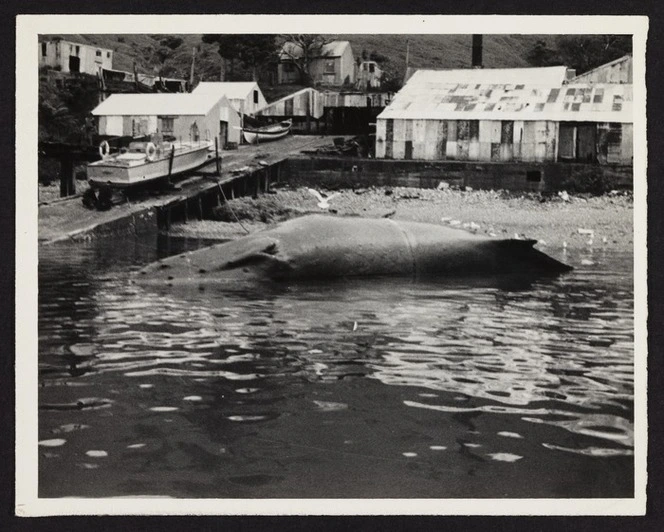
(616, 71)
(427, 97)
(156, 104)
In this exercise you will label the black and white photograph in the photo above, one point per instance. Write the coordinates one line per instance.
(401, 268)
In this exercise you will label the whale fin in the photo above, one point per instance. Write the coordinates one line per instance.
(524, 250)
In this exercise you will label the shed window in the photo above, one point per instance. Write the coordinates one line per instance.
(98, 53)
(108, 55)
(44, 49)
(288, 66)
(255, 96)
(78, 50)
(329, 67)
(372, 68)
(166, 124)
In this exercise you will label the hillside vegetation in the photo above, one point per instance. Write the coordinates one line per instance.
(170, 55)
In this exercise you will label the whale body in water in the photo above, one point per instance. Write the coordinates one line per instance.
(324, 247)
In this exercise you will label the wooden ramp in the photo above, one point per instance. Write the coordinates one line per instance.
(69, 219)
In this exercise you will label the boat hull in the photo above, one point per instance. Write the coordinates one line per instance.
(256, 136)
(108, 173)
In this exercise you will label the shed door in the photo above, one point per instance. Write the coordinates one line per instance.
(586, 143)
(567, 142)
(223, 133)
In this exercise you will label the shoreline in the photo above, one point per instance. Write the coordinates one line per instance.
(556, 223)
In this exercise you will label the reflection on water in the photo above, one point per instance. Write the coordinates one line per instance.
(375, 388)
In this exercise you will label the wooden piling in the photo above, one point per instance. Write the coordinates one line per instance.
(67, 178)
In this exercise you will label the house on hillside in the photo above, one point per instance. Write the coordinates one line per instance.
(68, 56)
(182, 116)
(334, 65)
(369, 75)
(508, 121)
(616, 71)
(245, 96)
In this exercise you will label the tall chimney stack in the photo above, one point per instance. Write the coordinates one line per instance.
(477, 51)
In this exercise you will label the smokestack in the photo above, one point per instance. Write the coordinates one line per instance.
(477, 51)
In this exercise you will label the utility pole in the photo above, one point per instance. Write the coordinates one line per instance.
(191, 73)
(407, 53)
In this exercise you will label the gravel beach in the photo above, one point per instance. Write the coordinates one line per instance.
(573, 222)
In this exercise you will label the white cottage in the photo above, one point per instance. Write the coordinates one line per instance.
(245, 96)
(68, 56)
(182, 116)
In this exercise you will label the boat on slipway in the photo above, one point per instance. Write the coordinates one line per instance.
(256, 135)
(143, 162)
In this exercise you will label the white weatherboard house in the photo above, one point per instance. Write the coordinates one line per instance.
(333, 65)
(508, 117)
(245, 96)
(187, 117)
(70, 56)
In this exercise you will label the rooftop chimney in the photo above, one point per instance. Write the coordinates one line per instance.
(477, 51)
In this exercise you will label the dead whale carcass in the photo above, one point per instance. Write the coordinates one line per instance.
(323, 247)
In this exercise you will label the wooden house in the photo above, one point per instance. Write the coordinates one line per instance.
(369, 75)
(182, 116)
(245, 96)
(68, 56)
(510, 121)
(334, 65)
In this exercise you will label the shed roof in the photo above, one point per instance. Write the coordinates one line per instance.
(597, 102)
(156, 104)
(532, 76)
(331, 49)
(606, 66)
(233, 90)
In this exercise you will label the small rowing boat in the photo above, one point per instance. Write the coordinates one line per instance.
(256, 135)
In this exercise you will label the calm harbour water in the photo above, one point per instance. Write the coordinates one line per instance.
(365, 388)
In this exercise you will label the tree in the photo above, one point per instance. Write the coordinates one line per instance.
(585, 52)
(301, 49)
(541, 55)
(252, 51)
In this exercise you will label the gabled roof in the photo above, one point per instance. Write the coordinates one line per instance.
(596, 102)
(233, 90)
(606, 66)
(331, 49)
(157, 104)
(533, 76)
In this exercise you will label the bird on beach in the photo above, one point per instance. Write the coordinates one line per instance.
(323, 202)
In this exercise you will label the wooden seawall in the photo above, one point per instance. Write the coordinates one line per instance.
(248, 170)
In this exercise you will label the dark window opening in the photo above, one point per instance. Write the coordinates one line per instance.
(108, 55)
(98, 53)
(255, 96)
(44, 49)
(78, 49)
(289, 67)
(329, 67)
(372, 68)
(534, 176)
